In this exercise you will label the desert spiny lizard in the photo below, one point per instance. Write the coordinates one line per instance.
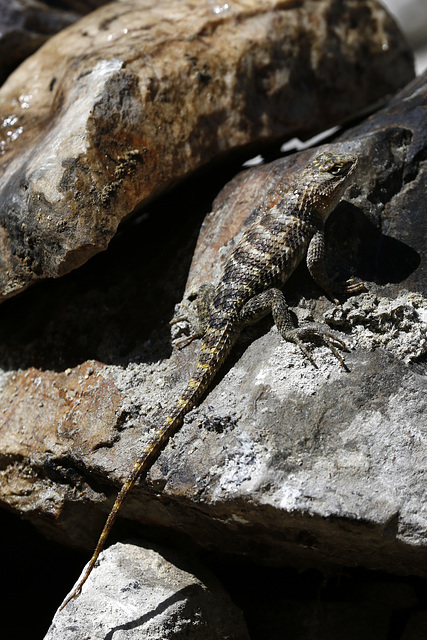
(264, 258)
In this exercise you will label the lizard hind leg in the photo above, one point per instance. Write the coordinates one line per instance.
(197, 318)
(273, 300)
(316, 265)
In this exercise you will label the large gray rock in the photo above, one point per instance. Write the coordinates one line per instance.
(136, 96)
(154, 594)
(282, 462)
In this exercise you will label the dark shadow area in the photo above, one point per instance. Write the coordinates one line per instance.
(309, 605)
(356, 247)
(36, 574)
(277, 603)
(122, 297)
(108, 307)
(181, 595)
(97, 312)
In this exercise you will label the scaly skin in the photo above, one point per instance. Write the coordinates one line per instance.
(264, 259)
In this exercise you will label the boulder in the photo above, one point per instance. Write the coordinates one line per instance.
(149, 593)
(136, 96)
(281, 462)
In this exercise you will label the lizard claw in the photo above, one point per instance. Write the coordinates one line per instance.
(191, 326)
(315, 330)
(348, 287)
(180, 343)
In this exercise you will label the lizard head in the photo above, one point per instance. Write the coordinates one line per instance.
(328, 174)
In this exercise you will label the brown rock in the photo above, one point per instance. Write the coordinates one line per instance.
(136, 96)
(51, 417)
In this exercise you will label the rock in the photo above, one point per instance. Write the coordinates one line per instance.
(128, 101)
(150, 593)
(78, 404)
(281, 463)
(365, 479)
(389, 181)
(24, 26)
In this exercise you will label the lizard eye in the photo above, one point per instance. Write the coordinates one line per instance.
(340, 169)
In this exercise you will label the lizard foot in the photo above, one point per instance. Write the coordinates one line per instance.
(317, 331)
(180, 343)
(189, 328)
(195, 317)
(350, 287)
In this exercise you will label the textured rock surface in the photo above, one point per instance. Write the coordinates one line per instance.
(136, 96)
(281, 462)
(149, 593)
(391, 147)
(78, 404)
(276, 602)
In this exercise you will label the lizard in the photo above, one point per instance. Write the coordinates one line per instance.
(250, 287)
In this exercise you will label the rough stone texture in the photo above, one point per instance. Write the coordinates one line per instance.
(281, 463)
(149, 593)
(276, 602)
(398, 325)
(390, 180)
(138, 95)
(78, 404)
(24, 26)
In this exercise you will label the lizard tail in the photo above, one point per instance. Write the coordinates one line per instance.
(210, 360)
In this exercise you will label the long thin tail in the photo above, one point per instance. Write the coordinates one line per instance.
(210, 360)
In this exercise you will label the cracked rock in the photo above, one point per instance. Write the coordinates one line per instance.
(398, 325)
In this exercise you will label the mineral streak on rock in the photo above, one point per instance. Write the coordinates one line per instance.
(137, 95)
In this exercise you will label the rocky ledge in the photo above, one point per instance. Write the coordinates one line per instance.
(341, 466)
(134, 97)
(281, 464)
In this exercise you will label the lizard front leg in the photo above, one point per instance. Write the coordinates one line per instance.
(274, 301)
(316, 265)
